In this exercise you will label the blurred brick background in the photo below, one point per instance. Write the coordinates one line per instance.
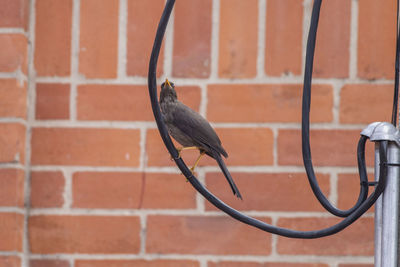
(85, 180)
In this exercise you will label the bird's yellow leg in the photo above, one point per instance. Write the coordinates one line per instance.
(197, 161)
(180, 149)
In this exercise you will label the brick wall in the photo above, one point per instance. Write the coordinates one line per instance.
(85, 180)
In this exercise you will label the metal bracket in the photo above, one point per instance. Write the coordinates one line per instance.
(379, 131)
(386, 207)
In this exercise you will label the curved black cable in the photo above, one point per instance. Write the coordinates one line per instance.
(305, 125)
(152, 84)
(396, 74)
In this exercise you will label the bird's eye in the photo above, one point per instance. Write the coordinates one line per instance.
(162, 85)
(172, 84)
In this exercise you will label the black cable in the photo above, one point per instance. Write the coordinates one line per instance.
(396, 74)
(305, 127)
(152, 84)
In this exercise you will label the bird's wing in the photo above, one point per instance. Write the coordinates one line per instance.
(198, 128)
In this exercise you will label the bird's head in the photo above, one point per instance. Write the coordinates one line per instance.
(168, 91)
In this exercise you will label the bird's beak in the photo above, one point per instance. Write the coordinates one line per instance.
(167, 82)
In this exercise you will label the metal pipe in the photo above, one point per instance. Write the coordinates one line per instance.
(378, 213)
(390, 211)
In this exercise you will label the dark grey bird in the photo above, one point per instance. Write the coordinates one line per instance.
(192, 131)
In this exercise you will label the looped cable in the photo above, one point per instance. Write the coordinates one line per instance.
(357, 212)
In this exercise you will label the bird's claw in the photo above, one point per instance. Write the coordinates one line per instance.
(179, 155)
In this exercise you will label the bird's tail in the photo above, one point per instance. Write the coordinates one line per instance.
(228, 176)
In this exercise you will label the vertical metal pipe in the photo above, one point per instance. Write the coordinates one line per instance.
(378, 213)
(390, 211)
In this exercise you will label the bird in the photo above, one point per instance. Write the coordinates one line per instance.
(192, 131)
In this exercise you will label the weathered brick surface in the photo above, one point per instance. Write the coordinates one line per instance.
(136, 263)
(47, 189)
(13, 101)
(192, 235)
(10, 261)
(333, 40)
(12, 143)
(86, 179)
(143, 18)
(365, 103)
(238, 39)
(49, 234)
(267, 264)
(49, 263)
(14, 13)
(266, 103)
(98, 50)
(12, 187)
(131, 190)
(376, 39)
(13, 55)
(283, 44)
(11, 234)
(81, 146)
(53, 38)
(192, 30)
(52, 101)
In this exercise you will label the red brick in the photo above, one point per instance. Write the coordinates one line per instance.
(10, 261)
(143, 17)
(53, 37)
(13, 100)
(106, 190)
(163, 191)
(132, 191)
(12, 143)
(340, 150)
(84, 234)
(98, 55)
(238, 39)
(125, 102)
(376, 39)
(47, 188)
(365, 103)
(136, 263)
(349, 188)
(283, 44)
(11, 234)
(12, 187)
(266, 264)
(192, 35)
(216, 235)
(49, 263)
(356, 265)
(13, 53)
(52, 101)
(257, 150)
(333, 40)
(85, 146)
(14, 13)
(260, 194)
(356, 240)
(266, 103)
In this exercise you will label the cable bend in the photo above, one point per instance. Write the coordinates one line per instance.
(353, 216)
